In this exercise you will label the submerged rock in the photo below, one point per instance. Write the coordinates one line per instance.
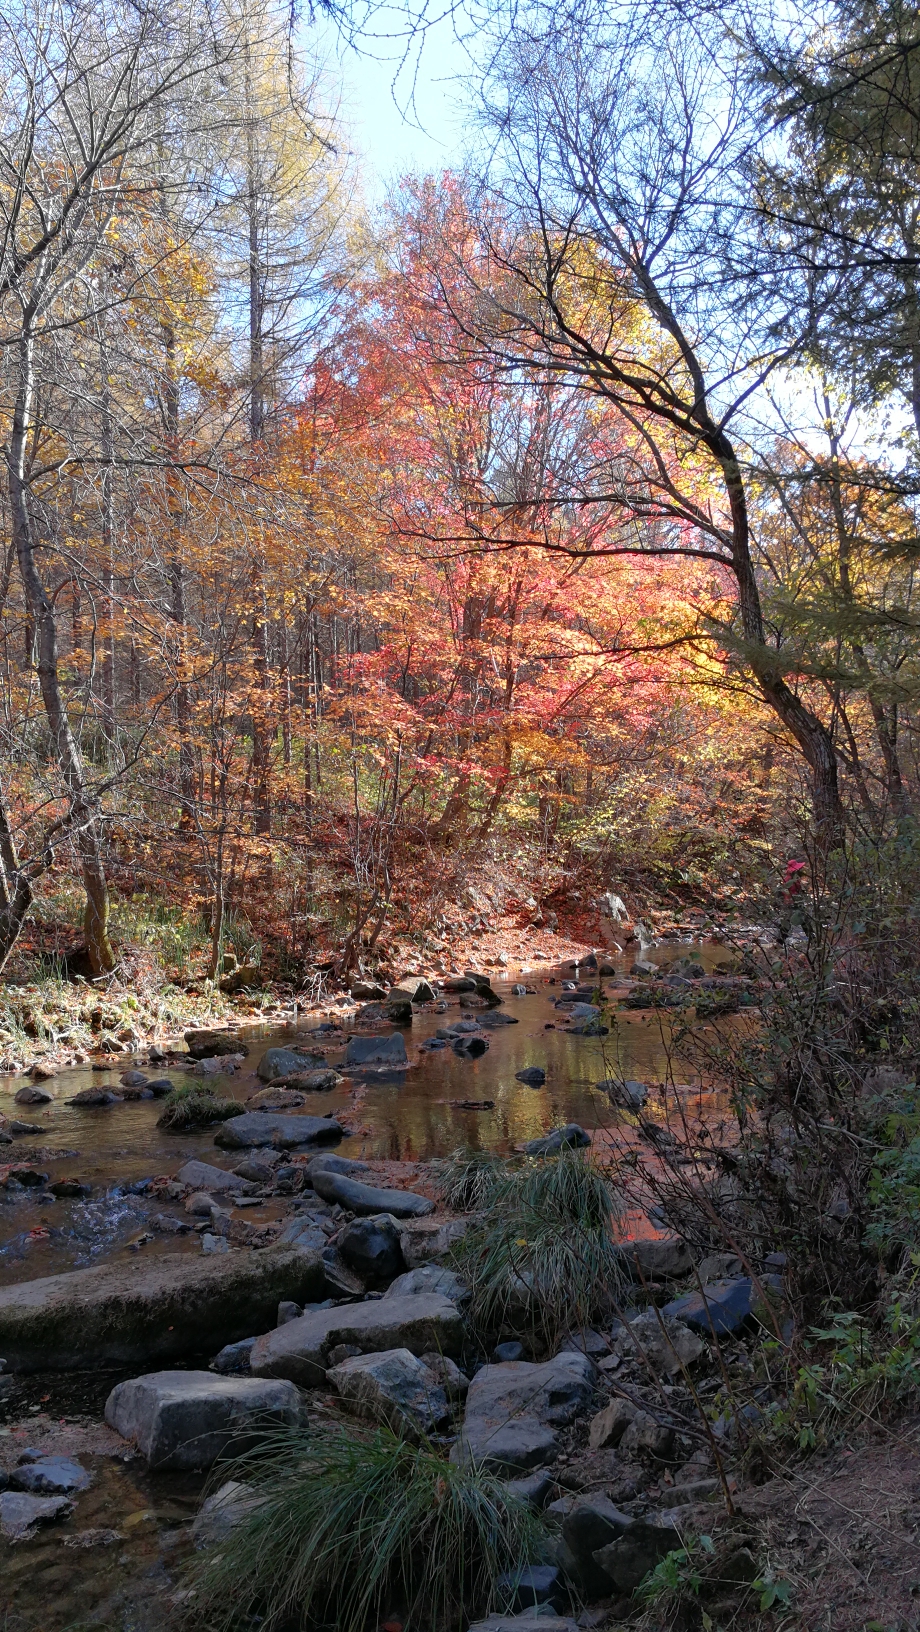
(95, 1097)
(533, 1075)
(159, 1087)
(253, 1128)
(300, 1350)
(378, 1051)
(276, 1099)
(571, 1137)
(187, 1419)
(206, 1043)
(21, 1514)
(33, 1095)
(279, 1062)
(631, 1095)
(470, 1048)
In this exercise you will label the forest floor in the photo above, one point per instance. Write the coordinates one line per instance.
(841, 1528)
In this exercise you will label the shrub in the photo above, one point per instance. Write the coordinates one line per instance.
(351, 1525)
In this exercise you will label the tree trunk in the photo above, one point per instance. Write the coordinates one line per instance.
(15, 888)
(83, 805)
(812, 736)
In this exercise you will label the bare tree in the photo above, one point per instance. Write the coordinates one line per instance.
(619, 208)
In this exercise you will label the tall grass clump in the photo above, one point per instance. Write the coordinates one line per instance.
(195, 1105)
(468, 1178)
(542, 1256)
(348, 1526)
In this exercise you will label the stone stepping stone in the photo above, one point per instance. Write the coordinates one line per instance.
(366, 1199)
(187, 1419)
(299, 1350)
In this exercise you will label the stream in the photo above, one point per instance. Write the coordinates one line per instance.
(118, 1562)
(404, 1118)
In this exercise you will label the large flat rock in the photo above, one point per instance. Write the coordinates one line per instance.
(157, 1311)
(513, 1409)
(366, 1199)
(187, 1419)
(298, 1350)
(377, 1051)
(255, 1128)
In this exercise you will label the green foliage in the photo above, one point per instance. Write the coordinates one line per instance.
(543, 1255)
(195, 1105)
(350, 1524)
(856, 1368)
(773, 1591)
(894, 1181)
(677, 1574)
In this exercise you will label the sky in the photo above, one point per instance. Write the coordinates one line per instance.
(391, 136)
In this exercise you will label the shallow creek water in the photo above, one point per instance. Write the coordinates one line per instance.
(409, 1117)
(117, 1561)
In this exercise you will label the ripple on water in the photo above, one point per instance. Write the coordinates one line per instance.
(94, 1227)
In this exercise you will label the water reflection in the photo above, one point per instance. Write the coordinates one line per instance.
(408, 1119)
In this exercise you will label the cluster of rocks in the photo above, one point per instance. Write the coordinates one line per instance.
(354, 1299)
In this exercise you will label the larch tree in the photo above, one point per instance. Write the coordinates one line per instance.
(91, 97)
